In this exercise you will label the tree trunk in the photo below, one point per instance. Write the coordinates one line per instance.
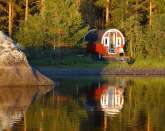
(42, 8)
(131, 48)
(25, 121)
(125, 10)
(150, 17)
(26, 9)
(78, 3)
(124, 17)
(10, 18)
(105, 122)
(107, 12)
(136, 10)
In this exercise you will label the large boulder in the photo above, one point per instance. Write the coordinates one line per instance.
(14, 67)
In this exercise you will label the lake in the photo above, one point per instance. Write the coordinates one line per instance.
(88, 104)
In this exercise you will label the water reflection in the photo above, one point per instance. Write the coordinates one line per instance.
(107, 96)
(14, 102)
(111, 104)
(112, 100)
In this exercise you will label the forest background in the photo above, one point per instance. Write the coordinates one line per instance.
(40, 26)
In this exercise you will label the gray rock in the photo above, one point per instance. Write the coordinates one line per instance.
(14, 67)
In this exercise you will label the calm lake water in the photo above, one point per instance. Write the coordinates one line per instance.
(86, 104)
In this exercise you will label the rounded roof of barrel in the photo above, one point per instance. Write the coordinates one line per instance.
(113, 30)
(91, 35)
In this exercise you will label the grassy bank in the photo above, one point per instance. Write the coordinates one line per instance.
(150, 63)
(70, 61)
(88, 61)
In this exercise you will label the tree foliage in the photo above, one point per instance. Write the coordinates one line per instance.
(63, 22)
(58, 26)
(140, 20)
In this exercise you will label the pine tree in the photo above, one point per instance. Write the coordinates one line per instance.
(62, 25)
(3, 16)
(10, 10)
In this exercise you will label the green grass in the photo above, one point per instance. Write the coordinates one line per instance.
(150, 63)
(70, 61)
(83, 61)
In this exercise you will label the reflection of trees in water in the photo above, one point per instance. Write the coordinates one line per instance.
(56, 112)
(142, 110)
(143, 104)
(14, 101)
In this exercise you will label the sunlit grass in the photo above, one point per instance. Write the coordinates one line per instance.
(149, 63)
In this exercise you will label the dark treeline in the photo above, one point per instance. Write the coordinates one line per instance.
(39, 23)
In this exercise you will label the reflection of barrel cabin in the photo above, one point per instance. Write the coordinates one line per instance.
(112, 100)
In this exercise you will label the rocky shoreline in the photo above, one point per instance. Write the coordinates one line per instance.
(53, 72)
(14, 67)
